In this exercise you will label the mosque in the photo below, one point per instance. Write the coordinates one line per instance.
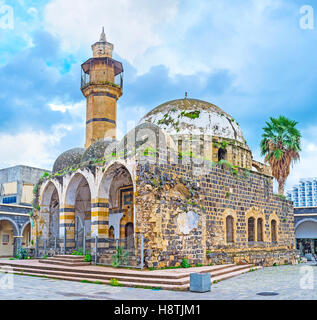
(184, 180)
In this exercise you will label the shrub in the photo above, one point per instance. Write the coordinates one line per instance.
(87, 258)
(21, 253)
(114, 282)
(78, 253)
(185, 264)
(120, 258)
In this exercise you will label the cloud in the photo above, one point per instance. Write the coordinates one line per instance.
(132, 25)
(305, 168)
(75, 110)
(32, 80)
(32, 148)
(32, 12)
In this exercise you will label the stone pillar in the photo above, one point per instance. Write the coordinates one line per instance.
(44, 222)
(67, 225)
(17, 244)
(100, 220)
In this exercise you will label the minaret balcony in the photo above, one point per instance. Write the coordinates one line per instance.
(110, 73)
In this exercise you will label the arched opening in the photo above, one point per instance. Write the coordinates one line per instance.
(50, 211)
(229, 230)
(117, 187)
(111, 232)
(8, 232)
(260, 229)
(129, 234)
(306, 237)
(79, 196)
(251, 229)
(222, 154)
(26, 235)
(273, 231)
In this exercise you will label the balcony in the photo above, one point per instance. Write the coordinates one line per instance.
(85, 81)
(109, 69)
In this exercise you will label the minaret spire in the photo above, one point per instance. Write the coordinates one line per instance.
(103, 35)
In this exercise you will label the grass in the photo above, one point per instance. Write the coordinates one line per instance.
(86, 281)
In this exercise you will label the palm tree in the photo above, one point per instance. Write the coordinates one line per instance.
(280, 145)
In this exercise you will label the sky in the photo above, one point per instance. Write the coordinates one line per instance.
(252, 58)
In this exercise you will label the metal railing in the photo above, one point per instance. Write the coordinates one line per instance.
(127, 252)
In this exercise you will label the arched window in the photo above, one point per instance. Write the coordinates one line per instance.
(229, 229)
(273, 231)
(260, 229)
(222, 154)
(111, 232)
(251, 230)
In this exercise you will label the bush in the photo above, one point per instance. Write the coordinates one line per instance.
(114, 282)
(78, 253)
(21, 253)
(185, 264)
(87, 258)
(120, 258)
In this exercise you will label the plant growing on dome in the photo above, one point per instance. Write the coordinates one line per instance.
(280, 145)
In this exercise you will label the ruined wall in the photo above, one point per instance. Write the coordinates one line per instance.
(182, 215)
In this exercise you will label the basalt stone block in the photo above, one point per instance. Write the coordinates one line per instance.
(200, 282)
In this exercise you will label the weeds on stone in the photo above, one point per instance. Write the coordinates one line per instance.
(185, 264)
(86, 281)
(114, 282)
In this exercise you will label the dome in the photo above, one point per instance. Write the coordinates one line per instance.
(192, 116)
(96, 150)
(68, 159)
(146, 135)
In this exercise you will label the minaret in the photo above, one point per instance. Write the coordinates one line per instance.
(101, 84)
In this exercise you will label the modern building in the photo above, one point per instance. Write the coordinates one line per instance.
(16, 196)
(304, 194)
(305, 220)
(184, 181)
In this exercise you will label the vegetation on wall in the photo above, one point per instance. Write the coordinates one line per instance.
(168, 120)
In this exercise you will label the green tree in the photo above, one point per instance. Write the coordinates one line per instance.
(280, 145)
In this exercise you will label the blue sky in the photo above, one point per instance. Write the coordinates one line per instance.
(249, 57)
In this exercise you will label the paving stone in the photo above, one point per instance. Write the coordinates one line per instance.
(285, 280)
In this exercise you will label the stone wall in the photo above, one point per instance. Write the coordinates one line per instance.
(181, 210)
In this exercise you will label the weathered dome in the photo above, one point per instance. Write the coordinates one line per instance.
(68, 159)
(96, 150)
(146, 135)
(192, 116)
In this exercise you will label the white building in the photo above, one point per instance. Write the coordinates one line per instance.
(304, 194)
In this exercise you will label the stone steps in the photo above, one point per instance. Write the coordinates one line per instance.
(66, 260)
(125, 279)
(169, 279)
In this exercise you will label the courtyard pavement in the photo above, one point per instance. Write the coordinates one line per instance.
(297, 282)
